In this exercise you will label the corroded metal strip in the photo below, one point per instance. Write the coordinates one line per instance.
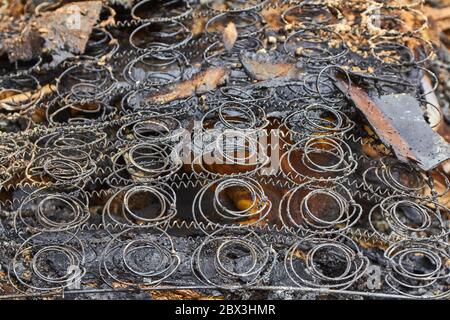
(398, 121)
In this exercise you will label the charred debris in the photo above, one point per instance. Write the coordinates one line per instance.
(345, 197)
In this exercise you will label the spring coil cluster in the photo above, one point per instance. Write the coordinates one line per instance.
(96, 175)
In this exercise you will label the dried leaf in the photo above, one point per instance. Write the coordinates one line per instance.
(200, 83)
(21, 97)
(265, 67)
(229, 36)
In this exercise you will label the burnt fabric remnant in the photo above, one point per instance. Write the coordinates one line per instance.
(213, 149)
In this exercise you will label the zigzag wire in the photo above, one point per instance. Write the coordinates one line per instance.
(182, 180)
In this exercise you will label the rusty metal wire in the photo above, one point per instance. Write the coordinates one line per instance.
(94, 190)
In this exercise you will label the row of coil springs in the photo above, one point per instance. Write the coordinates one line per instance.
(98, 129)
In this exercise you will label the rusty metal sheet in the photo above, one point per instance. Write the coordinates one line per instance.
(398, 121)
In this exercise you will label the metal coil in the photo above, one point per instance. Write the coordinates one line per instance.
(228, 153)
(20, 92)
(65, 140)
(137, 101)
(160, 36)
(104, 172)
(403, 277)
(85, 82)
(156, 68)
(10, 149)
(64, 167)
(217, 55)
(391, 21)
(238, 259)
(235, 115)
(161, 11)
(325, 262)
(20, 68)
(211, 205)
(59, 112)
(145, 161)
(316, 119)
(410, 218)
(236, 5)
(142, 257)
(315, 44)
(138, 209)
(152, 129)
(322, 14)
(328, 209)
(396, 52)
(30, 270)
(52, 210)
(318, 159)
(246, 23)
(101, 45)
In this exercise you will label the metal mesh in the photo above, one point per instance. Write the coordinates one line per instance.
(97, 196)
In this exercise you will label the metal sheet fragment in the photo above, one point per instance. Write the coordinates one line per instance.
(398, 121)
